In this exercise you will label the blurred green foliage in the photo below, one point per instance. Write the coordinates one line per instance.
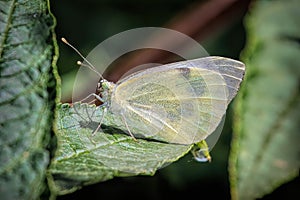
(265, 151)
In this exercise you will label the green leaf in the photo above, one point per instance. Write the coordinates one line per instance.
(265, 149)
(26, 78)
(83, 158)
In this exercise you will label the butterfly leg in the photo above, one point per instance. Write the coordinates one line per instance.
(99, 125)
(124, 120)
(92, 94)
(87, 119)
(200, 152)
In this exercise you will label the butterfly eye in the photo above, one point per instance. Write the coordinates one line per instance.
(100, 83)
(104, 85)
(99, 88)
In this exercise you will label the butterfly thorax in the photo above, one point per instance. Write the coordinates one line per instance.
(104, 90)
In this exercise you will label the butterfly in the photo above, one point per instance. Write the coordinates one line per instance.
(181, 102)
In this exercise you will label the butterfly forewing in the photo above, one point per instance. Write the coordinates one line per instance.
(152, 105)
(232, 71)
(179, 103)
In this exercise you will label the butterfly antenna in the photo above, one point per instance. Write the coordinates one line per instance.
(89, 65)
(91, 68)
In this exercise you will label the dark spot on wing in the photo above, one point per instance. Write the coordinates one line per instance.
(185, 72)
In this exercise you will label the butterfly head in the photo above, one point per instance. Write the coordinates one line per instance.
(104, 89)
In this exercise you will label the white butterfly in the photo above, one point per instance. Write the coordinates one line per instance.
(181, 102)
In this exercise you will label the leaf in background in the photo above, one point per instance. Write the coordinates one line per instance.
(265, 149)
(83, 159)
(26, 77)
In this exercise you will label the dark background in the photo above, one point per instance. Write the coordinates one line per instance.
(89, 22)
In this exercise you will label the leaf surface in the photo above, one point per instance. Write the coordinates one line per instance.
(265, 150)
(27, 88)
(83, 158)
